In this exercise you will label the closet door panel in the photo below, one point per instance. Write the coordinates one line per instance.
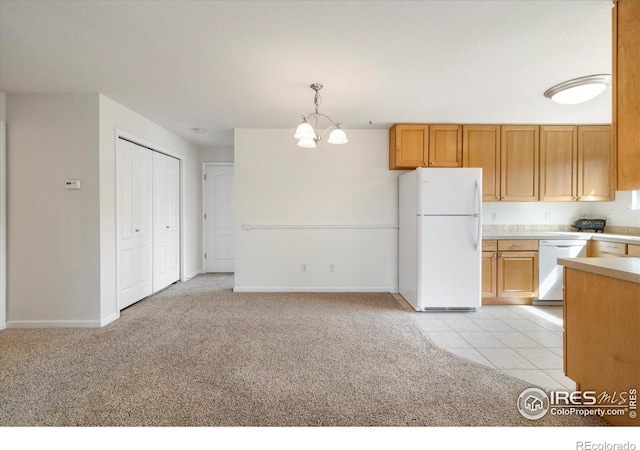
(134, 172)
(166, 220)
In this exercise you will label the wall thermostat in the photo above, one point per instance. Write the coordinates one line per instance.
(72, 184)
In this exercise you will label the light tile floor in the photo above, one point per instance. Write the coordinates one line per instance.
(522, 341)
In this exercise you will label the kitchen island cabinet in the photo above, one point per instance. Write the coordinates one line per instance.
(601, 322)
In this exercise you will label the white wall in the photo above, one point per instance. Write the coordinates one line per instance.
(334, 187)
(617, 212)
(115, 116)
(62, 243)
(53, 266)
(217, 154)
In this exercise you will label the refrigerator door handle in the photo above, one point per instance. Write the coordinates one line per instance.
(478, 216)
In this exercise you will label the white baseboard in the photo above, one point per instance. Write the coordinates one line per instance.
(107, 320)
(192, 274)
(392, 290)
(55, 324)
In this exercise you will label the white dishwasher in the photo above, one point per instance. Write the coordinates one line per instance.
(549, 272)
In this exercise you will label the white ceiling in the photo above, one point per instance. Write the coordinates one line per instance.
(221, 65)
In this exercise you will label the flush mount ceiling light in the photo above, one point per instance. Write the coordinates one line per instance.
(308, 136)
(199, 130)
(578, 90)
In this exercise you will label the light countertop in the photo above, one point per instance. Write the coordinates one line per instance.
(627, 269)
(625, 239)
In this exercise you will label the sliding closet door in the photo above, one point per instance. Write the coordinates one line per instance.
(166, 220)
(134, 240)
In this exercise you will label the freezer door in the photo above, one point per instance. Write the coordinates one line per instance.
(450, 191)
(449, 274)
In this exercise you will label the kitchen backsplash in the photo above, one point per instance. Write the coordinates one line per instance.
(496, 229)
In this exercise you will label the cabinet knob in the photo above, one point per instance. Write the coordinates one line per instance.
(168, 226)
(137, 230)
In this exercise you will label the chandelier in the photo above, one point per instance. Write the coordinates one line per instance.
(308, 136)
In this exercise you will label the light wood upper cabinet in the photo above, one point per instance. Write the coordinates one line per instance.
(408, 146)
(519, 163)
(576, 163)
(626, 93)
(558, 163)
(481, 148)
(420, 145)
(445, 146)
(595, 163)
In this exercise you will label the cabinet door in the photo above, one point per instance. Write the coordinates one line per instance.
(408, 144)
(626, 92)
(518, 274)
(481, 148)
(519, 163)
(445, 146)
(595, 163)
(609, 249)
(633, 250)
(489, 273)
(558, 163)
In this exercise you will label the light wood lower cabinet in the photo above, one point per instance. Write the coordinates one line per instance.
(509, 272)
(604, 249)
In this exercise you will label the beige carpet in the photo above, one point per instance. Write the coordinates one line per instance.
(198, 354)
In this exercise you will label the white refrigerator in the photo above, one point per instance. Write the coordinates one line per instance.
(440, 238)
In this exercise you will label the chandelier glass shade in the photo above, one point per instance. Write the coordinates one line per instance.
(578, 90)
(308, 135)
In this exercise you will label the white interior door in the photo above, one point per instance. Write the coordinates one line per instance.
(134, 279)
(3, 226)
(219, 219)
(166, 220)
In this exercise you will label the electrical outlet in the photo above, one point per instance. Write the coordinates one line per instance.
(332, 267)
(607, 213)
(547, 216)
(303, 267)
(494, 216)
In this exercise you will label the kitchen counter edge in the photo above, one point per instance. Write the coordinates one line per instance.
(540, 235)
(627, 269)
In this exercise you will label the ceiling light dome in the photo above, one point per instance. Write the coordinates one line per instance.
(578, 90)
